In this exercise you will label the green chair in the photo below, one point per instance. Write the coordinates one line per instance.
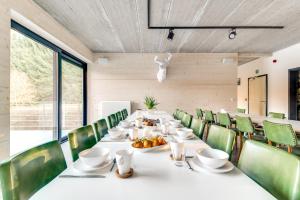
(221, 138)
(244, 127)
(81, 139)
(181, 115)
(198, 126)
(276, 115)
(119, 116)
(241, 110)
(274, 169)
(100, 128)
(112, 121)
(209, 117)
(282, 134)
(186, 120)
(223, 119)
(124, 113)
(24, 174)
(199, 113)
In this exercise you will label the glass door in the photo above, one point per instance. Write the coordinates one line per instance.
(72, 96)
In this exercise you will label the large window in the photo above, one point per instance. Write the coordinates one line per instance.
(47, 91)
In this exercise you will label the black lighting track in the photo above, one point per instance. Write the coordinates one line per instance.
(204, 27)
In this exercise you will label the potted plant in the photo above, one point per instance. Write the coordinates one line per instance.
(150, 103)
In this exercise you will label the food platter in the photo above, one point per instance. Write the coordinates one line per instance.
(144, 145)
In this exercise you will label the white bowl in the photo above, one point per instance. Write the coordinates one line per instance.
(124, 124)
(212, 158)
(114, 133)
(184, 132)
(94, 157)
(175, 122)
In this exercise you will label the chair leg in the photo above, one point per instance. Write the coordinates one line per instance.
(290, 150)
(250, 135)
(270, 142)
(241, 145)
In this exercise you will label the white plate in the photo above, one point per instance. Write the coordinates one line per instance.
(197, 165)
(144, 150)
(189, 137)
(81, 167)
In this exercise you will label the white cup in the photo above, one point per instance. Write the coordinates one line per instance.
(124, 158)
(177, 149)
(133, 133)
(138, 123)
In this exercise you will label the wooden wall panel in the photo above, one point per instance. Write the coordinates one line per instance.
(193, 80)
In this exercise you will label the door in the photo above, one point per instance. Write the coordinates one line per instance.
(257, 95)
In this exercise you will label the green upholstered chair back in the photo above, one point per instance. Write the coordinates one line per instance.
(274, 169)
(100, 129)
(280, 133)
(208, 116)
(81, 139)
(24, 174)
(221, 138)
(198, 126)
(241, 110)
(186, 120)
(276, 115)
(112, 121)
(119, 116)
(223, 119)
(199, 113)
(181, 115)
(244, 124)
(124, 113)
(175, 114)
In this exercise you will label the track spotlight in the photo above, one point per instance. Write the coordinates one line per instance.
(232, 34)
(171, 34)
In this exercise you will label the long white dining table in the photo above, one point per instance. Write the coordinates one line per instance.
(155, 177)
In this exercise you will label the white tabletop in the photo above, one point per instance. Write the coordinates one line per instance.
(155, 178)
(259, 120)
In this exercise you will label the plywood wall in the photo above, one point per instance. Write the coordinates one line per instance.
(193, 80)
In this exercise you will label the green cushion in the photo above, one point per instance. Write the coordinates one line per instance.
(276, 115)
(81, 139)
(199, 113)
(209, 116)
(198, 126)
(100, 129)
(274, 169)
(221, 138)
(119, 116)
(223, 119)
(280, 133)
(112, 120)
(244, 124)
(186, 120)
(24, 174)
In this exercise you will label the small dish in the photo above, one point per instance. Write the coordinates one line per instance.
(81, 167)
(198, 166)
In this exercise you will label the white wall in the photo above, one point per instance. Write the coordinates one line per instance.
(193, 80)
(277, 77)
(26, 11)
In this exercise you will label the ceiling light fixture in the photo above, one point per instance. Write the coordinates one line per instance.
(232, 34)
(171, 34)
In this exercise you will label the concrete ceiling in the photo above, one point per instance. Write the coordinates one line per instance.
(121, 25)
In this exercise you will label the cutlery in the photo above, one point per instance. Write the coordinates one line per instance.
(114, 162)
(81, 176)
(189, 165)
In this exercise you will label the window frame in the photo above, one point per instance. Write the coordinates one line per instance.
(57, 69)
